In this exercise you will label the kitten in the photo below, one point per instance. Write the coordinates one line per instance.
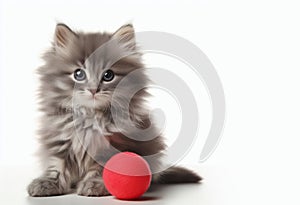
(78, 133)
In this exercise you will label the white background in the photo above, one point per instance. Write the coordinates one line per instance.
(254, 46)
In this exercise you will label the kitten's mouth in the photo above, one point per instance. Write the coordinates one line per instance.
(98, 100)
(95, 97)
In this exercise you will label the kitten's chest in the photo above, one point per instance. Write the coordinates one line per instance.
(89, 139)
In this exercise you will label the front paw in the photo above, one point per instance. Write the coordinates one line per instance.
(44, 186)
(92, 187)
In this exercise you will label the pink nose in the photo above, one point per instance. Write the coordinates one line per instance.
(93, 91)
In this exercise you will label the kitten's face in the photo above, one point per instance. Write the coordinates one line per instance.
(84, 69)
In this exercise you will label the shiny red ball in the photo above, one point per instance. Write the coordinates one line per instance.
(127, 175)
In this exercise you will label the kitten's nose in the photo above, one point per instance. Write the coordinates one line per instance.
(93, 91)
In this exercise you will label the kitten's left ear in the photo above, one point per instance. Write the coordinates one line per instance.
(63, 35)
(126, 35)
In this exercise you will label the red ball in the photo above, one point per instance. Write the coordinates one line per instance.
(127, 175)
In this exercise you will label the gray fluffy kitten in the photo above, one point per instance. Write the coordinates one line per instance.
(73, 148)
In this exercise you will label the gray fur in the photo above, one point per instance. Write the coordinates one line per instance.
(72, 146)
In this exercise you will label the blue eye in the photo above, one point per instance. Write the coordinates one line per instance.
(108, 76)
(79, 74)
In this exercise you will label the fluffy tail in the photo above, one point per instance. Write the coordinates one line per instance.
(175, 175)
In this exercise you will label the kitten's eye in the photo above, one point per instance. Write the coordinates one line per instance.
(108, 75)
(79, 74)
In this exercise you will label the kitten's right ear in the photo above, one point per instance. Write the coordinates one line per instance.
(63, 35)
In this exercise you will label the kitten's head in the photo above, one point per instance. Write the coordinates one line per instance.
(87, 67)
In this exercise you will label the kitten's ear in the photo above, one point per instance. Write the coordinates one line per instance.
(126, 35)
(63, 35)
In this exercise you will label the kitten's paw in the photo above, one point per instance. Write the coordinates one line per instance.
(92, 187)
(44, 187)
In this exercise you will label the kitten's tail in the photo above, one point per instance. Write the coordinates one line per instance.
(175, 175)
